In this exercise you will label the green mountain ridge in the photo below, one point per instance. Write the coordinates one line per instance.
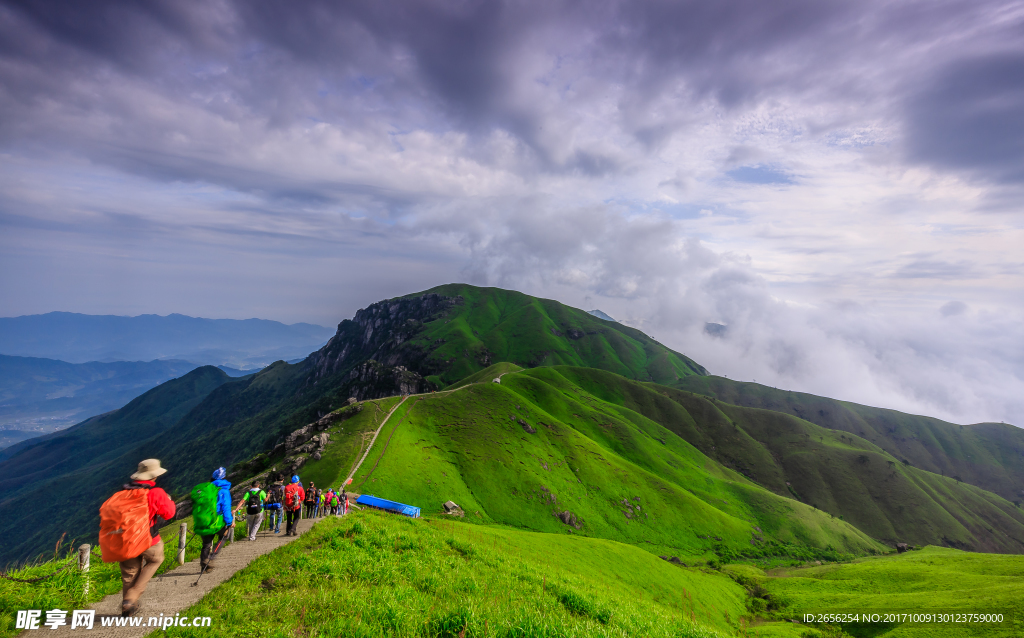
(601, 385)
(843, 476)
(988, 455)
(537, 452)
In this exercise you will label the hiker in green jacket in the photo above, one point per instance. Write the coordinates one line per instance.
(254, 509)
(211, 515)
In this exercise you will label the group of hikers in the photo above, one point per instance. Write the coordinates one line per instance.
(277, 497)
(131, 519)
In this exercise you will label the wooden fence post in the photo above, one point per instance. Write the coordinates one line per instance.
(83, 557)
(182, 536)
(83, 565)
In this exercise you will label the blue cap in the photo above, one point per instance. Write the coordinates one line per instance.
(219, 474)
(295, 479)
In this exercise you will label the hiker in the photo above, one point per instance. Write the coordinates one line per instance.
(294, 495)
(254, 509)
(327, 500)
(273, 504)
(211, 515)
(319, 502)
(310, 499)
(334, 503)
(345, 500)
(130, 523)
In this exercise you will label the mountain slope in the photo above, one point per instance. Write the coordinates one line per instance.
(66, 475)
(988, 455)
(682, 452)
(407, 345)
(46, 395)
(538, 452)
(842, 474)
(450, 332)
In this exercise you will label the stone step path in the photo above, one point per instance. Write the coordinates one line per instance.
(172, 592)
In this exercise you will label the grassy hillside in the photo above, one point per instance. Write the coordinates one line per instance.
(587, 467)
(989, 455)
(65, 476)
(487, 374)
(930, 580)
(493, 325)
(373, 574)
(841, 474)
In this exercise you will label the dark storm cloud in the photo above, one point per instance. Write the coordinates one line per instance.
(971, 116)
(552, 143)
(462, 65)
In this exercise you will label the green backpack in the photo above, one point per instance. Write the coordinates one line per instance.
(205, 518)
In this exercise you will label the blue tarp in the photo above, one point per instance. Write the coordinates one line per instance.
(391, 506)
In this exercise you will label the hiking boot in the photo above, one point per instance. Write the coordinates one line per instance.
(130, 609)
(209, 567)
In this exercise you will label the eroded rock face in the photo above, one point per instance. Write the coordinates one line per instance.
(380, 332)
(372, 379)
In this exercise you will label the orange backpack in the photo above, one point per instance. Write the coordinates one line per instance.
(124, 525)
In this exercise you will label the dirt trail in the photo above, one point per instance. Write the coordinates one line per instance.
(370, 446)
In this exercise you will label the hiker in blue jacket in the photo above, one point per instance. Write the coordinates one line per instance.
(224, 509)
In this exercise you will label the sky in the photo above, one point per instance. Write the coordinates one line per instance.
(841, 184)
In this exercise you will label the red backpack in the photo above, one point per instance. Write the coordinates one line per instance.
(292, 499)
(124, 525)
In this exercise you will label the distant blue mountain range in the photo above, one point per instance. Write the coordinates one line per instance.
(39, 396)
(76, 338)
(60, 368)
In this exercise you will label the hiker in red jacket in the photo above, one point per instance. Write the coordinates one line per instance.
(294, 495)
(136, 572)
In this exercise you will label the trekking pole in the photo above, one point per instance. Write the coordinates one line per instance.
(213, 554)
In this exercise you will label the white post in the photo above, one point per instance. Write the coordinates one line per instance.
(182, 536)
(83, 557)
(83, 565)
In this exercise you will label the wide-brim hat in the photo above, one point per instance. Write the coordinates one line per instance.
(148, 470)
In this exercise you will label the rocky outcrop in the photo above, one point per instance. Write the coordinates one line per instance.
(298, 442)
(381, 332)
(371, 379)
(529, 429)
(569, 519)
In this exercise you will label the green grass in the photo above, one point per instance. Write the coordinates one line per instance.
(487, 375)
(374, 574)
(623, 476)
(988, 455)
(930, 579)
(348, 441)
(494, 325)
(845, 475)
